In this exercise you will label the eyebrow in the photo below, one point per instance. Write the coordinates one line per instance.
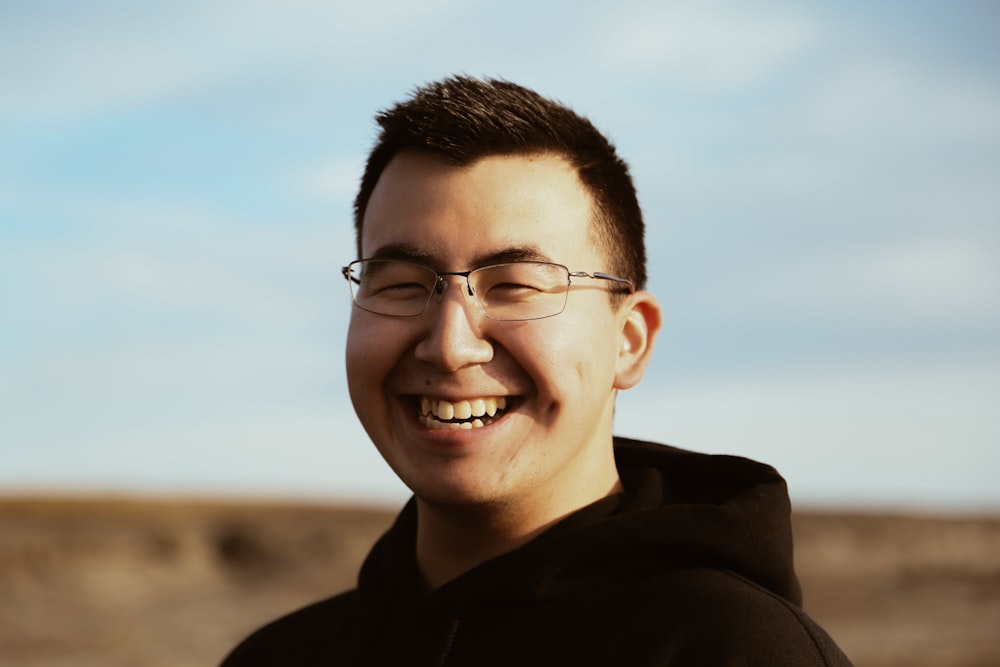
(403, 251)
(410, 253)
(515, 254)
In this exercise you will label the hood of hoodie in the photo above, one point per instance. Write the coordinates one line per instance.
(680, 509)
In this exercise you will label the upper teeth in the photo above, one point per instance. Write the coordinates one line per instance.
(476, 407)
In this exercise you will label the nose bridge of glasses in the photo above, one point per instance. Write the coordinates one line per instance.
(466, 299)
(442, 284)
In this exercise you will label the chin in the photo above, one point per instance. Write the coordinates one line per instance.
(454, 492)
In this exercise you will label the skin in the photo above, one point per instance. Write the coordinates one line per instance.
(485, 491)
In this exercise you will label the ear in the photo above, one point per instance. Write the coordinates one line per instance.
(640, 321)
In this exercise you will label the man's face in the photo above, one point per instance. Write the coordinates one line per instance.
(557, 376)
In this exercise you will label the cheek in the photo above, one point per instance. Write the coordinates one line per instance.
(354, 351)
(366, 356)
(567, 360)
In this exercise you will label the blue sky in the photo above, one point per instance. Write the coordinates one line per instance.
(819, 182)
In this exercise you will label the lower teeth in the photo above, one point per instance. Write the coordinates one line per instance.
(437, 425)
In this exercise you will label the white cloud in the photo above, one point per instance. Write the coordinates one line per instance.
(855, 435)
(88, 58)
(310, 450)
(186, 308)
(945, 279)
(336, 180)
(879, 98)
(188, 352)
(703, 44)
(919, 281)
(913, 282)
(187, 262)
(76, 61)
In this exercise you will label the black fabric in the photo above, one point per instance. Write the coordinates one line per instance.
(691, 565)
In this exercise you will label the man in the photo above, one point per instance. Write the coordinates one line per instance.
(498, 309)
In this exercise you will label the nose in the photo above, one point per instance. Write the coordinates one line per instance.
(454, 337)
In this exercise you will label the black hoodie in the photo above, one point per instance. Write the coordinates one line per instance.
(690, 565)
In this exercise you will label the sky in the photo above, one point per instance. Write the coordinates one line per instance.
(819, 181)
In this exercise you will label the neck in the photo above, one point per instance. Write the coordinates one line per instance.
(452, 540)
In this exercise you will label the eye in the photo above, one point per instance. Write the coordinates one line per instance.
(512, 288)
(391, 280)
(518, 282)
(398, 290)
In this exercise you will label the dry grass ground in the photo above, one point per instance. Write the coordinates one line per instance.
(128, 583)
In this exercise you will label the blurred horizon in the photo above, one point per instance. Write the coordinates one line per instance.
(819, 184)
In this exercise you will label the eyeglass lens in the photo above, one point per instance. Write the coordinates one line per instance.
(513, 291)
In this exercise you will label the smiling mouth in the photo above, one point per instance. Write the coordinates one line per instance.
(440, 415)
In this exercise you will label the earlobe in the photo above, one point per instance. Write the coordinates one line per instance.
(640, 324)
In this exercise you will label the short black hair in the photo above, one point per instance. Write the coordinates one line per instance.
(463, 119)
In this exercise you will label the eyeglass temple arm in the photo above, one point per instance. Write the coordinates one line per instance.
(603, 276)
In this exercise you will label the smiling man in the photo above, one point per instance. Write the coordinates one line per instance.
(498, 309)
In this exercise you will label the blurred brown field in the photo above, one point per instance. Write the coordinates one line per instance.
(176, 583)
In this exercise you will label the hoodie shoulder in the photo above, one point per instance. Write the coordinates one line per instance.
(304, 637)
(727, 512)
(720, 617)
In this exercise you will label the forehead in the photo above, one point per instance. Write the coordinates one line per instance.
(458, 216)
